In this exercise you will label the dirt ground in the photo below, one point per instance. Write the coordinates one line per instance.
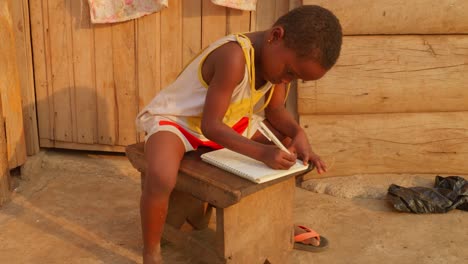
(77, 207)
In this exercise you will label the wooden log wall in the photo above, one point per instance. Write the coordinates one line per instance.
(397, 100)
(10, 92)
(92, 80)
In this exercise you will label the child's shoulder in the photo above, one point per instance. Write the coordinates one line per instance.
(228, 54)
(227, 60)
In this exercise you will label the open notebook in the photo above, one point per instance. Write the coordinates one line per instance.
(247, 167)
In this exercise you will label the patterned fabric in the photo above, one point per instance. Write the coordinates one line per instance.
(249, 5)
(110, 11)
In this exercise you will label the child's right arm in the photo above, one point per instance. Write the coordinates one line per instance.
(223, 70)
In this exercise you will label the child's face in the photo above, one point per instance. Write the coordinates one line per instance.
(281, 65)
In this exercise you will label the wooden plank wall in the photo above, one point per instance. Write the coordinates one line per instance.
(10, 91)
(92, 80)
(4, 168)
(20, 18)
(6, 34)
(396, 102)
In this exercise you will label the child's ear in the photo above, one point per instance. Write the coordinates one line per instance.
(277, 33)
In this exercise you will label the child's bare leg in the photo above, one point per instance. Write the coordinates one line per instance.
(163, 153)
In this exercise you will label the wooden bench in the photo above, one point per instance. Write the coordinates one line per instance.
(254, 222)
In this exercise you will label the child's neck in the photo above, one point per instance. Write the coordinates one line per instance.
(257, 40)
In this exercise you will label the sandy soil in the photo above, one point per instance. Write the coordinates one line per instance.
(77, 207)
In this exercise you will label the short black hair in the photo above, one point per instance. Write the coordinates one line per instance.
(313, 31)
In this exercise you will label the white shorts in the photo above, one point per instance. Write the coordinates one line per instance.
(157, 127)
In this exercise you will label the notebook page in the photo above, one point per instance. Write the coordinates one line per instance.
(247, 167)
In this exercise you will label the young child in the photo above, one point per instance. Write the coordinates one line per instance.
(212, 104)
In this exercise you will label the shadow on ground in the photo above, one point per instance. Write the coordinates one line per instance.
(81, 207)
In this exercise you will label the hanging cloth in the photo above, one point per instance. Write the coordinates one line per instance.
(248, 5)
(111, 11)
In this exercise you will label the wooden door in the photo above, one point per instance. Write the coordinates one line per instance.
(92, 80)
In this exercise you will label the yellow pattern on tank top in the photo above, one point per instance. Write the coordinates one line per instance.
(239, 109)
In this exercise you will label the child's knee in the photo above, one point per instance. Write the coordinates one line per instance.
(159, 182)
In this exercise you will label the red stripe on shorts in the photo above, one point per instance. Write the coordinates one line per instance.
(239, 127)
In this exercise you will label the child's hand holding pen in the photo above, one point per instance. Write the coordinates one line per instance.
(271, 136)
(306, 154)
(279, 157)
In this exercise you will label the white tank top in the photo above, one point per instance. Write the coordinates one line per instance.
(183, 100)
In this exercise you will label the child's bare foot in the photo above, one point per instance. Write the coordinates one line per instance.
(152, 258)
(309, 240)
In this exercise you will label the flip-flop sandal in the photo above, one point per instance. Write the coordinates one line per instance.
(310, 234)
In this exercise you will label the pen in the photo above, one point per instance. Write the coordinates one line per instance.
(270, 136)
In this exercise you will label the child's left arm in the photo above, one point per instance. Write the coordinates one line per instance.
(282, 120)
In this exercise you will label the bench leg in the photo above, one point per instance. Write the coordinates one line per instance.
(184, 207)
(259, 229)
